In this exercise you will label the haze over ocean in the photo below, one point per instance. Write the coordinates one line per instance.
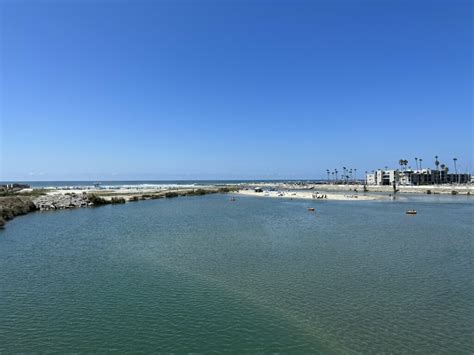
(112, 90)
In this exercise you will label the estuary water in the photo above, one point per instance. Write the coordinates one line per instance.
(203, 274)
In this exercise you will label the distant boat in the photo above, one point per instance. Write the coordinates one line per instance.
(412, 212)
(311, 209)
(232, 199)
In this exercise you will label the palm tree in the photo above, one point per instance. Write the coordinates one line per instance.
(327, 171)
(400, 162)
(443, 169)
(421, 168)
(437, 169)
(455, 169)
(355, 174)
(335, 171)
(332, 173)
(416, 162)
(343, 173)
(403, 163)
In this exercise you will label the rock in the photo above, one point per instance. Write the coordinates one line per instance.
(56, 201)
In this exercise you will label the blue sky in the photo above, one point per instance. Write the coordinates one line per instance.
(231, 89)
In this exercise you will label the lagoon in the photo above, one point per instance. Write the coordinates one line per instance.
(203, 274)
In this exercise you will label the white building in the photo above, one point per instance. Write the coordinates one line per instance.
(371, 179)
(382, 177)
(416, 177)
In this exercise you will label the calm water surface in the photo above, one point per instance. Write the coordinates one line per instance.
(200, 274)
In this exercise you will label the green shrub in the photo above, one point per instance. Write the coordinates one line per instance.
(96, 200)
(171, 194)
(14, 206)
(117, 200)
(227, 189)
(99, 201)
(454, 192)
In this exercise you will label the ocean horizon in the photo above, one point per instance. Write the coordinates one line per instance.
(68, 183)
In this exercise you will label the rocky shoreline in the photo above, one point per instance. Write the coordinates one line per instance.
(59, 201)
(21, 203)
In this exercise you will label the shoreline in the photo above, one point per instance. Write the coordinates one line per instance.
(69, 197)
(359, 188)
(32, 200)
(309, 195)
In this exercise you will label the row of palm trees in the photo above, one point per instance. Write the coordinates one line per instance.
(437, 163)
(350, 175)
(418, 161)
(346, 176)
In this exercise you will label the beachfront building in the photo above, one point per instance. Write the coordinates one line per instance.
(371, 179)
(383, 177)
(416, 177)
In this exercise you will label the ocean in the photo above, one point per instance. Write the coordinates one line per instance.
(117, 183)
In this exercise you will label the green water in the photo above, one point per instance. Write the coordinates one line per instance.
(202, 274)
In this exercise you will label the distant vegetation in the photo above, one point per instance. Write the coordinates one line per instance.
(99, 201)
(12, 206)
(201, 191)
(117, 200)
(96, 200)
(171, 194)
(227, 189)
(189, 192)
(198, 192)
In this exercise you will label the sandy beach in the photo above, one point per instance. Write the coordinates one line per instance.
(464, 189)
(310, 195)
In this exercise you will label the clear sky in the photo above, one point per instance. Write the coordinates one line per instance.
(102, 90)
